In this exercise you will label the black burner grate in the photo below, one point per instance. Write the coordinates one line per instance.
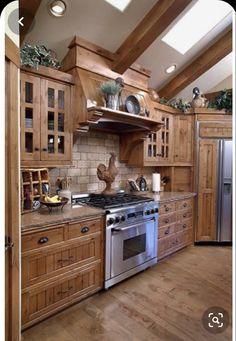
(112, 201)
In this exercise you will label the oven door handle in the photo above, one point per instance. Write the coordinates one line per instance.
(121, 229)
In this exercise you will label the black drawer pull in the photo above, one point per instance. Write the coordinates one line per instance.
(36, 149)
(167, 209)
(43, 240)
(167, 221)
(84, 229)
(184, 215)
(185, 204)
(45, 149)
(184, 226)
(65, 291)
(65, 260)
(167, 231)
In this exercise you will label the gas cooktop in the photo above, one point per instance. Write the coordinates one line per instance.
(109, 201)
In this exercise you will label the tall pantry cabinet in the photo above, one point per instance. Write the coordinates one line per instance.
(211, 126)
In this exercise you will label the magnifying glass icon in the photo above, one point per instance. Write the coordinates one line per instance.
(215, 319)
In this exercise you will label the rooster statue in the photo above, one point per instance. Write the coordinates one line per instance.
(108, 174)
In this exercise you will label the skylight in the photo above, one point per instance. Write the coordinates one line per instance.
(119, 4)
(195, 24)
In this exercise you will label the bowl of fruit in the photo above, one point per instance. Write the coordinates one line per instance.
(55, 201)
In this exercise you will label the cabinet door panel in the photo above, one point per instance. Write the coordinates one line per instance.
(39, 267)
(30, 117)
(207, 189)
(55, 122)
(183, 146)
(159, 145)
(37, 303)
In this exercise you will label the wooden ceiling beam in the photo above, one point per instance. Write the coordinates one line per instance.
(152, 25)
(27, 9)
(220, 49)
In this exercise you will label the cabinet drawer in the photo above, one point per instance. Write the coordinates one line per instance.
(166, 219)
(167, 208)
(167, 245)
(183, 214)
(184, 225)
(44, 265)
(166, 231)
(185, 237)
(184, 204)
(39, 302)
(83, 228)
(41, 239)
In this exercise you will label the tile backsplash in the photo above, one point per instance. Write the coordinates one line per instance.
(88, 152)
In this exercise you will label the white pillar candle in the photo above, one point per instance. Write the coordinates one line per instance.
(156, 182)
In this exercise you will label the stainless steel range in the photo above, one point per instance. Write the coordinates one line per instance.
(131, 233)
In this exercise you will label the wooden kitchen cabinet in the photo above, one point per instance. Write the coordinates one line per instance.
(175, 226)
(210, 127)
(207, 190)
(46, 137)
(158, 147)
(61, 264)
(183, 139)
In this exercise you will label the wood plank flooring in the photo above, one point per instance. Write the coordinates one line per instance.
(165, 302)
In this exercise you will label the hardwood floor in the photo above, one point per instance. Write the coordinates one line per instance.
(165, 302)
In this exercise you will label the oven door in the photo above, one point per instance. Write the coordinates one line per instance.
(133, 245)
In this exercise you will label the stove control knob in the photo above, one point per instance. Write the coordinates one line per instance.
(122, 218)
(148, 212)
(156, 210)
(152, 211)
(110, 221)
(117, 220)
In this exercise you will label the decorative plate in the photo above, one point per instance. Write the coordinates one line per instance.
(132, 105)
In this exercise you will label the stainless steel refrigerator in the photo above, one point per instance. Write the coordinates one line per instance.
(224, 197)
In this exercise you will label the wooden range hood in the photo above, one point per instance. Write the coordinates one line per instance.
(90, 65)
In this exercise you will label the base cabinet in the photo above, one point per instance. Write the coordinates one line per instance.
(175, 226)
(61, 270)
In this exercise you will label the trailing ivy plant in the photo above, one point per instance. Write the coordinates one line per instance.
(222, 101)
(35, 55)
(176, 103)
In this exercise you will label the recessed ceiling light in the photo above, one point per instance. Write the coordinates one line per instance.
(195, 24)
(119, 4)
(171, 68)
(57, 8)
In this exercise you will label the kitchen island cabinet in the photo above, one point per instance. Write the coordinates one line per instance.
(62, 262)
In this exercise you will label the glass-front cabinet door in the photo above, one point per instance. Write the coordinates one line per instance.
(55, 129)
(30, 117)
(159, 145)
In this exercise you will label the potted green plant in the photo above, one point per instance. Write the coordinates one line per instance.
(35, 55)
(222, 101)
(110, 90)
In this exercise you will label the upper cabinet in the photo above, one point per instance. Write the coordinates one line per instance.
(172, 145)
(183, 139)
(46, 115)
(158, 147)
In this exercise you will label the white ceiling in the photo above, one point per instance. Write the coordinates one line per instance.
(100, 23)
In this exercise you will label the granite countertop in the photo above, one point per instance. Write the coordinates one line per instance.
(42, 217)
(167, 196)
(58, 216)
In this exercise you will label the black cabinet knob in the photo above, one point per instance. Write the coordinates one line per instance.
(45, 149)
(84, 229)
(43, 240)
(36, 149)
